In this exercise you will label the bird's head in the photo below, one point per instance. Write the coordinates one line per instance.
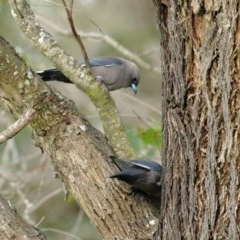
(134, 76)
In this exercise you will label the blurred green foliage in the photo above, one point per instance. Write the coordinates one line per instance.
(145, 141)
(151, 136)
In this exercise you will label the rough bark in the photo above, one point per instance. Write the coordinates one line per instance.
(200, 54)
(79, 153)
(13, 226)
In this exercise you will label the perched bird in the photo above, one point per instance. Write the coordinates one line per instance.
(142, 175)
(115, 73)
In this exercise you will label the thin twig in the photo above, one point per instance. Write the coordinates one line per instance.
(75, 34)
(108, 40)
(77, 224)
(45, 199)
(12, 130)
(143, 103)
(60, 232)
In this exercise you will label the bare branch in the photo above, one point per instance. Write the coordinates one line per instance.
(16, 127)
(108, 40)
(79, 153)
(85, 81)
(44, 200)
(75, 34)
(67, 234)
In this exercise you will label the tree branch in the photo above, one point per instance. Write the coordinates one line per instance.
(85, 81)
(16, 127)
(79, 153)
(75, 34)
(108, 40)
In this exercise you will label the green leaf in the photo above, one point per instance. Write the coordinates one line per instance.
(151, 136)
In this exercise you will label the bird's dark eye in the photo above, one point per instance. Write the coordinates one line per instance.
(134, 81)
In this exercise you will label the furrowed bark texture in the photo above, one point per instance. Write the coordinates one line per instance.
(200, 54)
(79, 153)
(13, 226)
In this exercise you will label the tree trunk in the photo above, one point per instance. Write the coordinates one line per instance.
(199, 43)
(79, 152)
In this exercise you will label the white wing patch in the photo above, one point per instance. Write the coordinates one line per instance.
(140, 165)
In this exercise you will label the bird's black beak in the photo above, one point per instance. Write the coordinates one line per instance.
(134, 87)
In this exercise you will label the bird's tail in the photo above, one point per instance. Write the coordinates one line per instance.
(116, 175)
(53, 75)
(121, 164)
(123, 176)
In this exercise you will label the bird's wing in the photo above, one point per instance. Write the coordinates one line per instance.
(147, 165)
(104, 61)
(140, 163)
(127, 164)
(143, 164)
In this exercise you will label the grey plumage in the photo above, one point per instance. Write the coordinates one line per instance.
(142, 175)
(115, 73)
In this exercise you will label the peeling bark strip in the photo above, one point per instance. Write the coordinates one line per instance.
(200, 54)
(79, 153)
